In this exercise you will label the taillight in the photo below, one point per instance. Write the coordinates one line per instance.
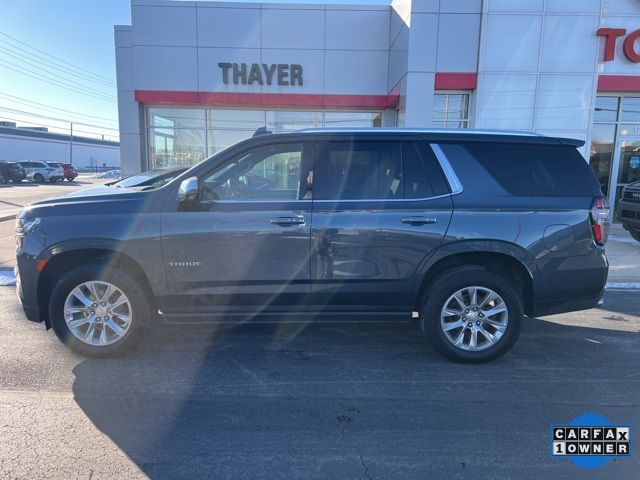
(600, 220)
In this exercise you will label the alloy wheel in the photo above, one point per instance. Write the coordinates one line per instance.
(98, 313)
(474, 318)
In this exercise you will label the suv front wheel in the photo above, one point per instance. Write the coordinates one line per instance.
(472, 315)
(99, 311)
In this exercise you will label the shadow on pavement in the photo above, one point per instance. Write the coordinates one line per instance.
(355, 400)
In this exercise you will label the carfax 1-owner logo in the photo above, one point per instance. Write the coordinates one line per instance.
(590, 441)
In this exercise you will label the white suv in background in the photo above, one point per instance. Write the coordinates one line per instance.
(40, 171)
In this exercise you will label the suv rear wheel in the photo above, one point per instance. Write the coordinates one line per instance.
(99, 311)
(472, 315)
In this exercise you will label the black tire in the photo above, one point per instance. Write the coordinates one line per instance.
(141, 309)
(451, 281)
(635, 234)
(17, 181)
(38, 178)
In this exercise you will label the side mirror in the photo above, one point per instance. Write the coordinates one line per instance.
(188, 190)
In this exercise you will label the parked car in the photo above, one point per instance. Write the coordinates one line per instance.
(473, 230)
(629, 209)
(40, 172)
(11, 172)
(150, 178)
(57, 165)
(108, 174)
(69, 171)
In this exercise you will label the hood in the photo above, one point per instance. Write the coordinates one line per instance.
(90, 193)
(94, 200)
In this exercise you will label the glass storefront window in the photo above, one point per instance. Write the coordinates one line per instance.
(629, 162)
(176, 117)
(352, 119)
(602, 153)
(179, 147)
(185, 136)
(287, 121)
(235, 119)
(630, 111)
(451, 110)
(606, 109)
(615, 144)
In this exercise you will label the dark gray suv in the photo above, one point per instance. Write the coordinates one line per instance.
(471, 229)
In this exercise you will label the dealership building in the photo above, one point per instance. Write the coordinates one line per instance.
(197, 76)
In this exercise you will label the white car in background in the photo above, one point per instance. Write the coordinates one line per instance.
(40, 172)
(108, 174)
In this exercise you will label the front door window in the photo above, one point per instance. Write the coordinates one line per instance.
(266, 173)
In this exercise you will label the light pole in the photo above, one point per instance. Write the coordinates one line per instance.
(71, 145)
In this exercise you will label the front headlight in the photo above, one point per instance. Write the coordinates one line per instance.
(24, 225)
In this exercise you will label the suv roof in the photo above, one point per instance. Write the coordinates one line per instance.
(444, 134)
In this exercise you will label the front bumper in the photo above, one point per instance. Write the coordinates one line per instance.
(29, 305)
(629, 214)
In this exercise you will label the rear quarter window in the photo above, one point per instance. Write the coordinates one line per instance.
(526, 169)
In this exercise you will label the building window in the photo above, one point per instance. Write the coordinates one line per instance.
(451, 110)
(615, 143)
(186, 136)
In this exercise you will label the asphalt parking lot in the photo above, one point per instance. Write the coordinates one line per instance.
(342, 400)
(313, 401)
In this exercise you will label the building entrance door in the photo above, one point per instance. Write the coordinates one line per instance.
(626, 164)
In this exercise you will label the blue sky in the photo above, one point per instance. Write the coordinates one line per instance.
(79, 32)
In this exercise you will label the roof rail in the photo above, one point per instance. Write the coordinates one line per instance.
(262, 131)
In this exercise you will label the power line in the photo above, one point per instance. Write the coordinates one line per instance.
(56, 58)
(64, 120)
(54, 127)
(60, 80)
(65, 71)
(22, 101)
(74, 89)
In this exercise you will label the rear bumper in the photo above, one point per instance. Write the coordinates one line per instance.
(568, 284)
(567, 305)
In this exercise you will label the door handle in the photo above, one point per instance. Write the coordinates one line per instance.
(418, 220)
(285, 221)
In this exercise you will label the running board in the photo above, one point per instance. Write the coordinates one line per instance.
(281, 317)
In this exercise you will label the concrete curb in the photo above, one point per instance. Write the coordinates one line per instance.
(4, 218)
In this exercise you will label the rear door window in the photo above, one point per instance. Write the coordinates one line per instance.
(373, 170)
(526, 169)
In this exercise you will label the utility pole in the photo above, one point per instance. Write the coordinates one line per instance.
(71, 145)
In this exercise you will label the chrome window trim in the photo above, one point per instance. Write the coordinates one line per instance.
(364, 200)
(422, 131)
(452, 178)
(351, 200)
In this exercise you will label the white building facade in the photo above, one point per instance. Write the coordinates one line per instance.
(194, 77)
(18, 144)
